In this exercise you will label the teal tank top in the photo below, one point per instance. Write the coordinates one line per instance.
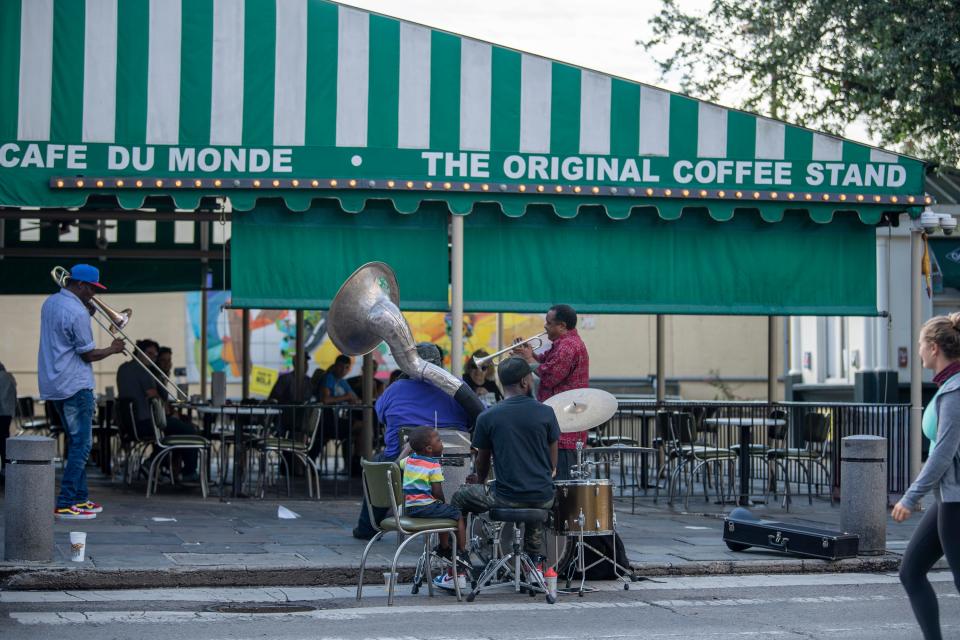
(929, 421)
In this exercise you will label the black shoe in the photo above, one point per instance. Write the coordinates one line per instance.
(443, 552)
(361, 535)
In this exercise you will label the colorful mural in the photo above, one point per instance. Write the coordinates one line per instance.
(273, 336)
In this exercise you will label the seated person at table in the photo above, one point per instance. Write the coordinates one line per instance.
(522, 435)
(423, 493)
(338, 423)
(136, 384)
(284, 392)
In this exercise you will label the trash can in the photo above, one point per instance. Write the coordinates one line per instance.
(30, 498)
(863, 491)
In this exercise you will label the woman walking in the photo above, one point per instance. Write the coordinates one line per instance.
(938, 533)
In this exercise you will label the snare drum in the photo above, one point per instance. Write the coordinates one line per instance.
(594, 498)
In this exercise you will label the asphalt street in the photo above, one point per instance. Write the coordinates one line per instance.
(844, 606)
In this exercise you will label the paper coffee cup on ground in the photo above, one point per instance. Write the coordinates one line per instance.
(78, 545)
(386, 579)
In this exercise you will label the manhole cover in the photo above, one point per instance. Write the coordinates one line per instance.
(261, 608)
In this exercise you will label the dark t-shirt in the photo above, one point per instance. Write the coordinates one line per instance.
(519, 432)
(133, 382)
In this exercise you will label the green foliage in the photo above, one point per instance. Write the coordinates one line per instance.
(892, 64)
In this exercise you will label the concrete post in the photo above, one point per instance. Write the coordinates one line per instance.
(28, 506)
(863, 491)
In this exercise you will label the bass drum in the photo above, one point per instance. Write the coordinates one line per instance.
(592, 498)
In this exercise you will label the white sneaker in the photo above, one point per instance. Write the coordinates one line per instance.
(446, 582)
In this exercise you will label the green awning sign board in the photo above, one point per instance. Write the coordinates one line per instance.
(306, 98)
(341, 136)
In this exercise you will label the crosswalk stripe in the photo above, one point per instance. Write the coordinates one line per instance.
(159, 617)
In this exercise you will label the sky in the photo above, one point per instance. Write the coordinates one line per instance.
(596, 34)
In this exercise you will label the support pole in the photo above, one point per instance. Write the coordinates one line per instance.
(203, 342)
(661, 360)
(366, 436)
(300, 360)
(245, 356)
(881, 359)
(456, 295)
(916, 374)
(204, 287)
(499, 331)
(771, 359)
(796, 346)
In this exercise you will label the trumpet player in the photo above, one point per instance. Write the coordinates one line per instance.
(65, 374)
(564, 366)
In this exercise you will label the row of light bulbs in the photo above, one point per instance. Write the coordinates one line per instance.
(420, 185)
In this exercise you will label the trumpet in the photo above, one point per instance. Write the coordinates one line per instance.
(490, 358)
(117, 321)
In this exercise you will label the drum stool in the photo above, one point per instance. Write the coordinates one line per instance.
(517, 561)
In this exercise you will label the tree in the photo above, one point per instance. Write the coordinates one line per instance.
(892, 64)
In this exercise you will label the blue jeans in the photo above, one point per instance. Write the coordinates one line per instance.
(76, 412)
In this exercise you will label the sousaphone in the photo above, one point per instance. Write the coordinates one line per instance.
(366, 312)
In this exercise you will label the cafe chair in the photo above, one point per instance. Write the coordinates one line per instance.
(693, 458)
(815, 434)
(26, 417)
(132, 446)
(383, 489)
(166, 445)
(296, 449)
(775, 438)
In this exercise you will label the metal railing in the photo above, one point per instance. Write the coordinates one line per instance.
(796, 439)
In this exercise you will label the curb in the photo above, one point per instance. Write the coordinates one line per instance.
(25, 578)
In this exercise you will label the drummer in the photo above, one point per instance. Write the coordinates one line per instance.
(522, 435)
(564, 366)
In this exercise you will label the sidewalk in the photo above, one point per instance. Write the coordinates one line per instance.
(179, 539)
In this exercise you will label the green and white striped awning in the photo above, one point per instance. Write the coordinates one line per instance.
(301, 99)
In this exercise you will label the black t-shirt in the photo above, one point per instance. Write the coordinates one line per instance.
(519, 432)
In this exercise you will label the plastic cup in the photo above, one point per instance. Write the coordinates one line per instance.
(386, 579)
(78, 545)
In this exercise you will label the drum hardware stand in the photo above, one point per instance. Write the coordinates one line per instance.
(513, 564)
(577, 561)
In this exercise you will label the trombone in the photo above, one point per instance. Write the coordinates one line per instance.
(118, 320)
(490, 358)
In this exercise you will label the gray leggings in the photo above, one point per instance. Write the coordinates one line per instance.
(937, 535)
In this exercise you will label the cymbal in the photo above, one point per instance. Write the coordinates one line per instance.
(582, 409)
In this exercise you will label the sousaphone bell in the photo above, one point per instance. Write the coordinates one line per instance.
(366, 312)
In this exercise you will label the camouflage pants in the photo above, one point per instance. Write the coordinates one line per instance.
(478, 498)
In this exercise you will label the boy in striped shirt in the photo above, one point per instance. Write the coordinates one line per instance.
(423, 492)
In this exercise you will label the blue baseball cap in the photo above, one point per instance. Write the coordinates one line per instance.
(86, 273)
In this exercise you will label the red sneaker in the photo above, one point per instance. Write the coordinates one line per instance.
(73, 513)
(92, 507)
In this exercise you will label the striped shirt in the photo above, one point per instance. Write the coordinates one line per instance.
(419, 472)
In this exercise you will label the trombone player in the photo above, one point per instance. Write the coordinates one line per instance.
(64, 359)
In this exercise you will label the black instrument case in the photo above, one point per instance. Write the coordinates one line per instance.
(742, 530)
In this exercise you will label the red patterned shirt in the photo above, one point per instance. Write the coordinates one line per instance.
(564, 366)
